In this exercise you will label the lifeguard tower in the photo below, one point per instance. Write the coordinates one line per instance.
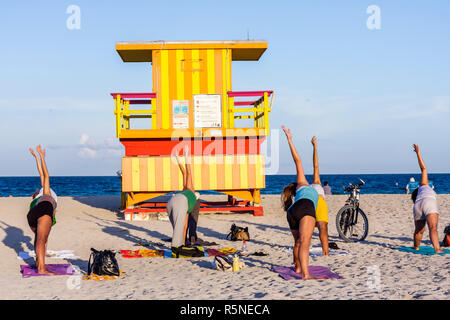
(193, 104)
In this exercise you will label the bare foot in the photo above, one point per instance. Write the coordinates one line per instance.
(326, 253)
(297, 268)
(40, 151)
(309, 277)
(415, 248)
(439, 251)
(45, 271)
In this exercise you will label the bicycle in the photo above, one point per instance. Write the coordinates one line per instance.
(351, 222)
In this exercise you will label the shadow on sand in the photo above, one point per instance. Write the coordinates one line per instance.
(15, 238)
(111, 203)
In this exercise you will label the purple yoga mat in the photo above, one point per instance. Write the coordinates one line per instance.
(288, 273)
(59, 269)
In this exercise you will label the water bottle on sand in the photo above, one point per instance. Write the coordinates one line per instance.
(244, 248)
(236, 263)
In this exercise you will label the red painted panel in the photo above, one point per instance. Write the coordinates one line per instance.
(164, 147)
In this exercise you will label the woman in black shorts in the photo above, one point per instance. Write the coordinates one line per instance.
(41, 216)
(300, 213)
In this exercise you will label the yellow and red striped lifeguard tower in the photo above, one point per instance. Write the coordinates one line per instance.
(193, 104)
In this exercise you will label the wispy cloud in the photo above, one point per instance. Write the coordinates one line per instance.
(88, 148)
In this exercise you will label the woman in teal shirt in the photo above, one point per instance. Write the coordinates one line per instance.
(300, 213)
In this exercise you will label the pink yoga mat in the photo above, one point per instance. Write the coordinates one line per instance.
(58, 269)
(288, 273)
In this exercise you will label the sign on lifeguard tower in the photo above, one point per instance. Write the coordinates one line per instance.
(192, 104)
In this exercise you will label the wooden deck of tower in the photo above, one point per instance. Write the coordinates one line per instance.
(193, 104)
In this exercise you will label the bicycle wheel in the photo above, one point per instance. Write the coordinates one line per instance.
(347, 229)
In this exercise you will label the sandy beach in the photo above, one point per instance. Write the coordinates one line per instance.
(85, 222)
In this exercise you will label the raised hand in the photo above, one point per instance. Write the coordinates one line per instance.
(416, 148)
(314, 141)
(287, 132)
(32, 152)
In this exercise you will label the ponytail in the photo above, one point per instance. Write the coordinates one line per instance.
(287, 194)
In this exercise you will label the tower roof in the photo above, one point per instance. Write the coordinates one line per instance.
(141, 51)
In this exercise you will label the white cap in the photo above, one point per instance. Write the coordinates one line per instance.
(412, 179)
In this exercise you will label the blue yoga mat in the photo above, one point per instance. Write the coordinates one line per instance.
(425, 250)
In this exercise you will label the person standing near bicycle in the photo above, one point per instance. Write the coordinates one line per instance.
(322, 208)
(300, 213)
(425, 208)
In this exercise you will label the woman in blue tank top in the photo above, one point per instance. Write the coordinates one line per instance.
(300, 213)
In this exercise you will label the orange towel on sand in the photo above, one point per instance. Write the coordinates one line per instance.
(142, 253)
(95, 277)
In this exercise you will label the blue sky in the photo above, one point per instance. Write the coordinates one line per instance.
(366, 94)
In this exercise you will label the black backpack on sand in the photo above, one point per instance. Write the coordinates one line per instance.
(104, 263)
(238, 233)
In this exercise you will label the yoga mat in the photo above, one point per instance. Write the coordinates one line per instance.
(59, 269)
(425, 250)
(288, 273)
(317, 251)
(62, 254)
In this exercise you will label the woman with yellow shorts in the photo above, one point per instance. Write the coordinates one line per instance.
(322, 209)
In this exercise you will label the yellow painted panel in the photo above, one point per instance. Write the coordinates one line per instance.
(131, 173)
(211, 71)
(229, 70)
(228, 162)
(165, 89)
(197, 174)
(180, 74)
(212, 172)
(243, 160)
(224, 89)
(196, 65)
(135, 173)
(260, 171)
(166, 174)
(151, 173)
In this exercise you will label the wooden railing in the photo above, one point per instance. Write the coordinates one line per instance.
(257, 108)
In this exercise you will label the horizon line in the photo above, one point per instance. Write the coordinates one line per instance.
(281, 174)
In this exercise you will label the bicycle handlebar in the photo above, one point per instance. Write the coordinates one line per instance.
(353, 186)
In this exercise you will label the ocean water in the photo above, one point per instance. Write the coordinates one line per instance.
(105, 185)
